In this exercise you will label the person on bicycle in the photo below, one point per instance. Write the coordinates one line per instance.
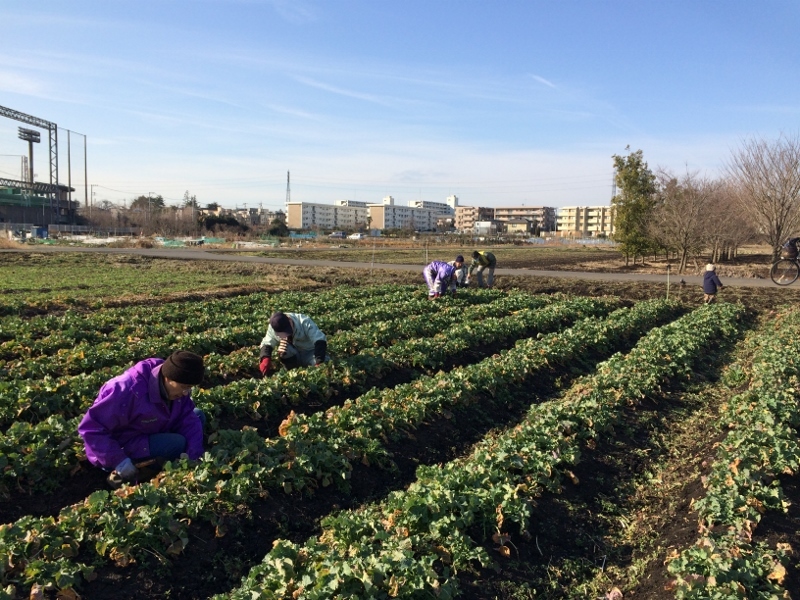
(710, 284)
(789, 249)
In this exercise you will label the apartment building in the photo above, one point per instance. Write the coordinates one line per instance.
(585, 221)
(543, 216)
(448, 207)
(310, 215)
(467, 216)
(388, 215)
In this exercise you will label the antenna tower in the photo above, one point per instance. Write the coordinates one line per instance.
(288, 189)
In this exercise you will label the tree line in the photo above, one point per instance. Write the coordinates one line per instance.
(688, 216)
(152, 215)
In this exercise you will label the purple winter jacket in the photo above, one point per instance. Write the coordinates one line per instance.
(437, 275)
(128, 409)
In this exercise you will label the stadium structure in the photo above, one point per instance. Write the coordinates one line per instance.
(24, 202)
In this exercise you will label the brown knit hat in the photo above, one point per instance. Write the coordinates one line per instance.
(184, 367)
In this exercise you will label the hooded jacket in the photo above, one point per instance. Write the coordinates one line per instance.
(711, 282)
(128, 409)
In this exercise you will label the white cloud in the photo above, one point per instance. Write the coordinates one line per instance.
(544, 81)
(17, 83)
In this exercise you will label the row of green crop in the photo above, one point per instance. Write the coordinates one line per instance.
(424, 320)
(152, 517)
(35, 399)
(47, 333)
(415, 543)
(329, 311)
(406, 343)
(30, 457)
(743, 483)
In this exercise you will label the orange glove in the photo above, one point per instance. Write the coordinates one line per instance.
(263, 366)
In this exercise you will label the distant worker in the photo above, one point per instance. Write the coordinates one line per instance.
(460, 275)
(710, 284)
(482, 261)
(300, 343)
(438, 276)
(144, 416)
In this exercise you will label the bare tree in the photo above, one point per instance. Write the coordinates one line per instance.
(728, 226)
(766, 177)
(679, 220)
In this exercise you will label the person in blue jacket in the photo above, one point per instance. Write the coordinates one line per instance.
(710, 284)
(438, 276)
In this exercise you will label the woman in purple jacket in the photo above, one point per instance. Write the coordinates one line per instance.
(438, 275)
(145, 413)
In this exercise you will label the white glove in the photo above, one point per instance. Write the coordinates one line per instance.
(126, 469)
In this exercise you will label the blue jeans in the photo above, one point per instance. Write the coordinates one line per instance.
(171, 445)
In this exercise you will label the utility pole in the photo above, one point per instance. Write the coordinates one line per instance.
(85, 173)
(288, 190)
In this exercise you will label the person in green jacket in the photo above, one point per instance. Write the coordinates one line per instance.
(482, 261)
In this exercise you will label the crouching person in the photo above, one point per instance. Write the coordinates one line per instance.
(298, 340)
(144, 417)
(438, 277)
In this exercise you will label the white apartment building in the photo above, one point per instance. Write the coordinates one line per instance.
(309, 215)
(352, 214)
(448, 207)
(585, 221)
(388, 215)
(350, 203)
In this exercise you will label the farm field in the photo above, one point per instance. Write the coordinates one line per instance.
(545, 439)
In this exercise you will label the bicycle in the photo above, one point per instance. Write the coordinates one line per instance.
(786, 269)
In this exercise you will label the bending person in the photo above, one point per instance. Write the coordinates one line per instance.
(438, 277)
(145, 415)
(482, 261)
(300, 343)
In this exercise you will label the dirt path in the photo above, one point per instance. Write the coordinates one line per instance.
(201, 254)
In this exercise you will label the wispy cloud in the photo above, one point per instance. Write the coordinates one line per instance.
(544, 81)
(11, 81)
(294, 11)
(342, 92)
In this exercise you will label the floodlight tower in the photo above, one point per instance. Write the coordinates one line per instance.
(32, 137)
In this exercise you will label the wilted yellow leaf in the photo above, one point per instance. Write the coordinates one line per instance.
(778, 573)
(286, 423)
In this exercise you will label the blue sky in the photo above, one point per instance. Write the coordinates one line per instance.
(499, 102)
